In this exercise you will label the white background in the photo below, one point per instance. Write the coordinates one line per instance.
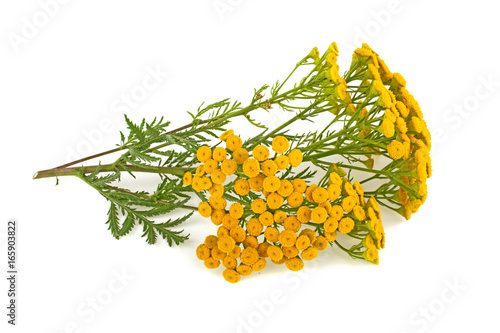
(60, 91)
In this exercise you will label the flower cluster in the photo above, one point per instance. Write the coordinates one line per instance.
(276, 215)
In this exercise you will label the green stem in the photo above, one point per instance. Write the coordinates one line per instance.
(107, 168)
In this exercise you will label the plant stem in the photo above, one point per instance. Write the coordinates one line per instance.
(106, 168)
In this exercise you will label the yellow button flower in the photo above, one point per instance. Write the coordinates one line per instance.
(321, 243)
(230, 275)
(299, 185)
(295, 199)
(279, 216)
(275, 201)
(295, 157)
(218, 177)
(348, 203)
(280, 144)
(217, 216)
(218, 254)
(275, 253)
(260, 153)
(309, 233)
(396, 150)
(286, 188)
(257, 183)
(319, 215)
(228, 167)
(287, 238)
(211, 241)
(226, 134)
(346, 225)
(290, 251)
(233, 142)
(251, 167)
(244, 270)
(187, 179)
(211, 263)
(271, 234)
(304, 214)
(320, 195)
(310, 253)
(292, 223)
(269, 167)
(330, 224)
(266, 218)
(282, 162)
(204, 209)
(337, 212)
(254, 227)
(302, 242)
(258, 206)
(204, 153)
(219, 154)
(202, 252)
(242, 187)
(295, 264)
(271, 183)
(259, 265)
(236, 210)
(240, 155)
(249, 256)
(226, 244)
(229, 262)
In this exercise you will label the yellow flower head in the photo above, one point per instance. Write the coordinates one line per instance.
(309, 233)
(244, 270)
(262, 249)
(236, 210)
(271, 183)
(229, 222)
(202, 252)
(235, 252)
(287, 238)
(331, 224)
(327, 206)
(217, 190)
(403, 111)
(187, 179)
(279, 216)
(229, 262)
(295, 199)
(416, 125)
(299, 185)
(217, 216)
(260, 153)
(233, 142)
(304, 214)
(336, 212)
(218, 177)
(290, 251)
(388, 128)
(292, 223)
(242, 187)
(240, 155)
(258, 206)
(320, 195)
(335, 178)
(249, 256)
(309, 192)
(199, 171)
(250, 241)
(231, 276)
(211, 263)
(310, 253)
(217, 202)
(219, 154)
(346, 225)
(271, 234)
(274, 253)
(348, 203)
(251, 167)
(319, 215)
(321, 243)
(269, 167)
(331, 236)
(334, 191)
(302, 242)
(259, 265)
(282, 162)
(286, 188)
(204, 153)
(205, 183)
(211, 241)
(371, 254)
(222, 231)
(257, 183)
(228, 167)
(274, 201)
(399, 80)
(266, 218)
(295, 264)
(218, 254)
(396, 150)
(280, 144)
(295, 157)
(359, 212)
(254, 227)
(226, 134)
(204, 209)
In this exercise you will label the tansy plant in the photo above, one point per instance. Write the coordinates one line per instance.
(260, 192)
